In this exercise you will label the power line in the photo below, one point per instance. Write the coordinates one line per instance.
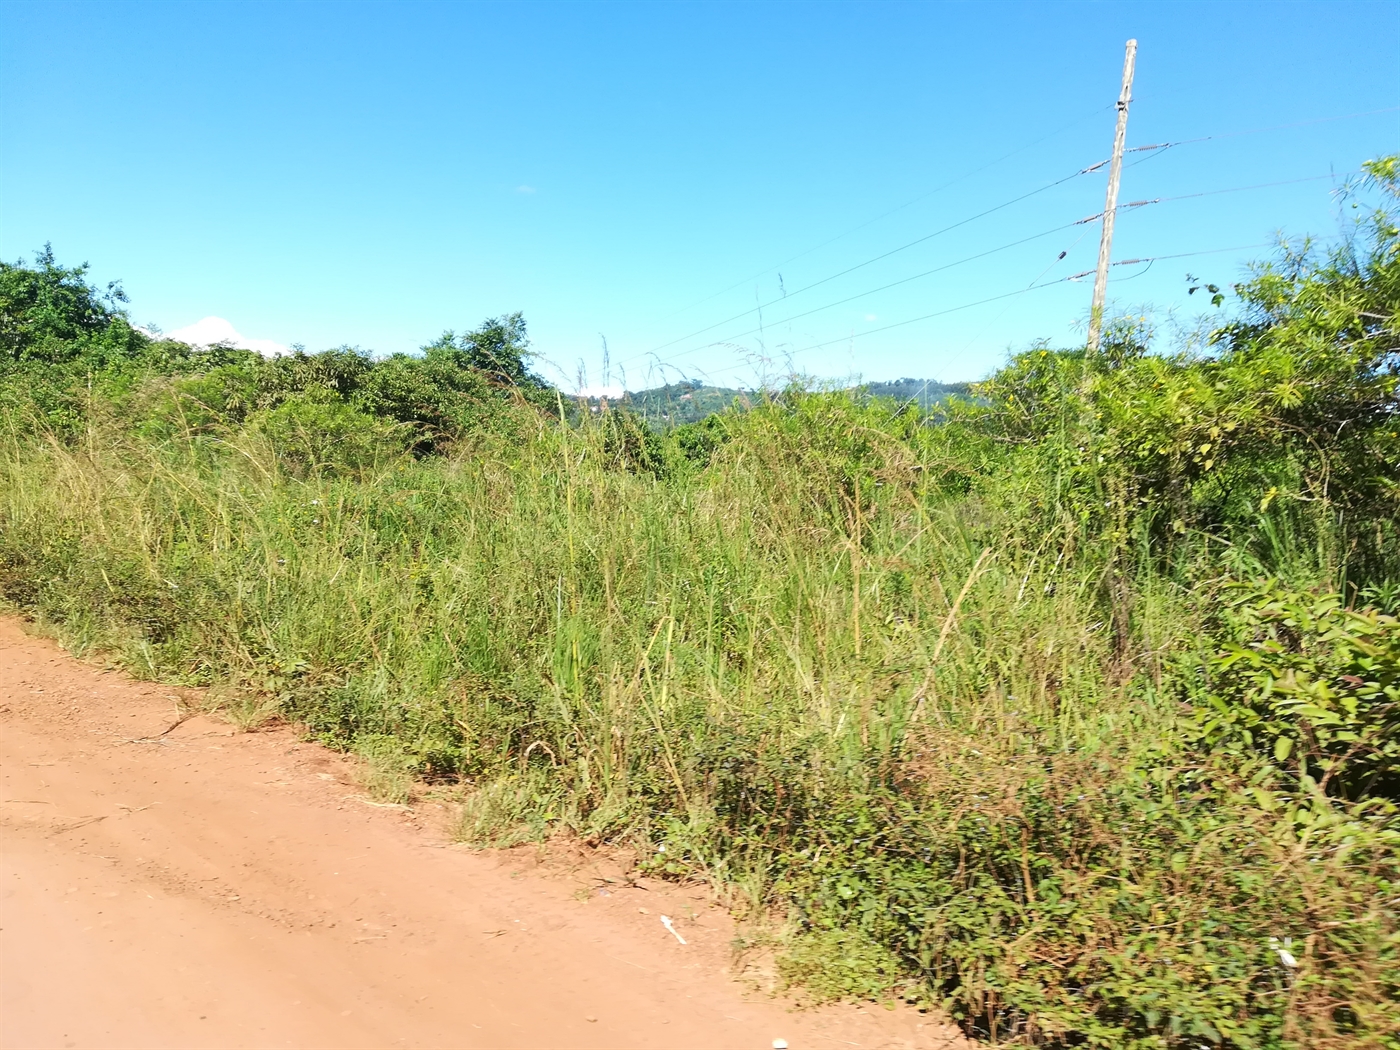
(927, 317)
(1084, 171)
(1212, 193)
(1135, 276)
(912, 320)
(1187, 255)
(881, 288)
(884, 215)
(1249, 131)
(1034, 280)
(991, 251)
(910, 244)
(1154, 149)
(1006, 295)
(861, 265)
(1241, 189)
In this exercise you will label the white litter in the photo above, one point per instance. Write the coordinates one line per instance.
(779, 1044)
(666, 921)
(1282, 951)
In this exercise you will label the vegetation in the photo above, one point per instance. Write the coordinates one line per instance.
(691, 401)
(923, 393)
(686, 401)
(1071, 707)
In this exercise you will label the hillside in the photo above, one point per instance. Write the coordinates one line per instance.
(687, 401)
(690, 401)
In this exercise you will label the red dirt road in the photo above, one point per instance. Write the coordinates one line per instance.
(203, 888)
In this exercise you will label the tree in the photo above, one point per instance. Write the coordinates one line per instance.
(48, 311)
(499, 349)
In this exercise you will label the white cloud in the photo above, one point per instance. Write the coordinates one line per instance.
(524, 189)
(872, 317)
(212, 330)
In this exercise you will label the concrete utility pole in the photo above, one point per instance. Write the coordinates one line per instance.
(1110, 204)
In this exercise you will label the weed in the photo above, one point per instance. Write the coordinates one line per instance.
(385, 771)
(508, 811)
(1059, 708)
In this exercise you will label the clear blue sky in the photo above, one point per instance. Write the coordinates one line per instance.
(371, 174)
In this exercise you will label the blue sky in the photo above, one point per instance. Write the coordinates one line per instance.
(371, 174)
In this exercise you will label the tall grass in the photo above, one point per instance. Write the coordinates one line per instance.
(1073, 708)
(853, 670)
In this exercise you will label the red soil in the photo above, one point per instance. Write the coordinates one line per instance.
(197, 887)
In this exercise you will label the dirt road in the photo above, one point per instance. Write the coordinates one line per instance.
(200, 888)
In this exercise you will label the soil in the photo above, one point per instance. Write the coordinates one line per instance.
(167, 881)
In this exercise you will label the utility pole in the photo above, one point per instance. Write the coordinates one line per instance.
(1110, 204)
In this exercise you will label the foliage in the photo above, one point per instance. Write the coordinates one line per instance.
(50, 313)
(683, 402)
(311, 435)
(923, 393)
(1030, 707)
(1296, 401)
(629, 444)
(1310, 684)
(69, 348)
(689, 401)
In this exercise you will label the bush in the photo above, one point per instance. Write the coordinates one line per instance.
(1069, 707)
(313, 437)
(1309, 685)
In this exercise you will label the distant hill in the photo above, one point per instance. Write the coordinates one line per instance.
(689, 401)
(924, 392)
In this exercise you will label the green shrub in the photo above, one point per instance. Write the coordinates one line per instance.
(312, 437)
(975, 700)
(840, 964)
(1310, 685)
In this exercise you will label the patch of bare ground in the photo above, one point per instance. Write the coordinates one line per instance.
(171, 882)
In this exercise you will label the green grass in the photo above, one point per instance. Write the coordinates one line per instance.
(1073, 709)
(895, 714)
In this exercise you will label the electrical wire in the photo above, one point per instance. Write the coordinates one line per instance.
(971, 258)
(1213, 193)
(1187, 255)
(995, 320)
(1004, 295)
(898, 208)
(860, 265)
(1248, 131)
(1241, 189)
(872, 291)
(885, 255)
(1153, 149)
(1139, 273)
(912, 320)
(1259, 131)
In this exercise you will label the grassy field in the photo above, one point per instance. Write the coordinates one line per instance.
(1072, 707)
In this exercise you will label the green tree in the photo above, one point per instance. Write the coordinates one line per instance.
(49, 312)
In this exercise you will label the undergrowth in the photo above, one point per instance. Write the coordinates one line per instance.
(1070, 708)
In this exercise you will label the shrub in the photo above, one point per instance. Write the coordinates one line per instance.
(1069, 707)
(311, 437)
(1310, 685)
